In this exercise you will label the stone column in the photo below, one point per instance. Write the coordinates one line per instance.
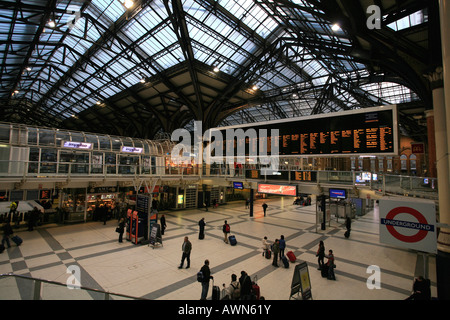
(443, 243)
(432, 171)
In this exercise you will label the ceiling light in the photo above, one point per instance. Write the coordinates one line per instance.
(216, 69)
(28, 68)
(51, 24)
(143, 80)
(128, 3)
(98, 102)
(255, 87)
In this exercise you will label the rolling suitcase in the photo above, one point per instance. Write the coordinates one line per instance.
(285, 261)
(324, 271)
(291, 256)
(17, 240)
(215, 292)
(267, 254)
(232, 240)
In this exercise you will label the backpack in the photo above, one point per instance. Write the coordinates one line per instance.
(227, 228)
(200, 276)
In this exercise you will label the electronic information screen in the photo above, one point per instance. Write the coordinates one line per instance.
(363, 131)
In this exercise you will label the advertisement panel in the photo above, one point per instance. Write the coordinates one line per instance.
(284, 190)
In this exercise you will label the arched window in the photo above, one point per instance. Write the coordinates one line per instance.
(403, 162)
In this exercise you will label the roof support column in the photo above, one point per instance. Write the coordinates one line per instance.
(442, 155)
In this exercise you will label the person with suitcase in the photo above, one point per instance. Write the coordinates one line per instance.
(330, 265)
(282, 246)
(275, 251)
(7, 233)
(266, 248)
(226, 230)
(206, 276)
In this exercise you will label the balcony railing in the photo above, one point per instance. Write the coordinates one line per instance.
(39, 289)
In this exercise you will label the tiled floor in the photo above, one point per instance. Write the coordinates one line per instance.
(143, 271)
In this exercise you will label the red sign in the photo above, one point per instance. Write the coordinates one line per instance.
(284, 190)
(417, 148)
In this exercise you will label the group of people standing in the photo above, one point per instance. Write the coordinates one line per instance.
(276, 248)
(327, 269)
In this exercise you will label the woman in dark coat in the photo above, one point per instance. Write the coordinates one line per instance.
(121, 228)
(201, 224)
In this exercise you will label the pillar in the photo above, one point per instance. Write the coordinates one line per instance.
(443, 243)
(432, 171)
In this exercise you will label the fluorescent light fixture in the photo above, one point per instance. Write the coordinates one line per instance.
(128, 4)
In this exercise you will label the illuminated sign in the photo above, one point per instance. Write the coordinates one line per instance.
(131, 149)
(338, 193)
(238, 185)
(77, 145)
(285, 190)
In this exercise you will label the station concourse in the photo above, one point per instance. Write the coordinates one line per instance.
(94, 93)
(152, 273)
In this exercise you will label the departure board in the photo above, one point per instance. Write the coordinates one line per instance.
(356, 132)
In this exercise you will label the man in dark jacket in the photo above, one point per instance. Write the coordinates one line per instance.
(206, 277)
(246, 286)
(186, 248)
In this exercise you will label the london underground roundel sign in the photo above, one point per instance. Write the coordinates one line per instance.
(408, 223)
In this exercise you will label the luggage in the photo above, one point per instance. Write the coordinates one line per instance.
(232, 240)
(285, 261)
(2, 248)
(215, 292)
(347, 234)
(256, 291)
(324, 271)
(17, 240)
(291, 256)
(267, 254)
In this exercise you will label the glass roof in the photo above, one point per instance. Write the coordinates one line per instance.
(100, 49)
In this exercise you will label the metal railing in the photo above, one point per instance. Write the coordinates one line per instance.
(20, 287)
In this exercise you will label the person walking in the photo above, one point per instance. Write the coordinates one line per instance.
(186, 248)
(282, 243)
(121, 228)
(348, 226)
(264, 206)
(162, 221)
(321, 255)
(226, 230)
(201, 224)
(205, 281)
(275, 251)
(330, 265)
